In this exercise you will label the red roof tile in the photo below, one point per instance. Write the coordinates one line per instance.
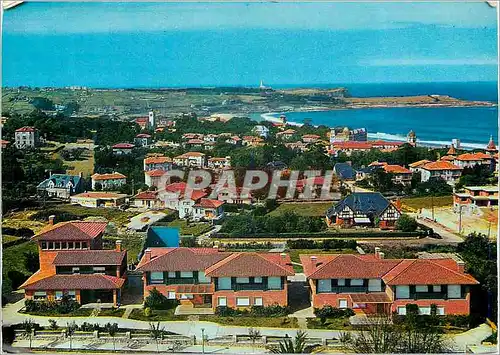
(396, 169)
(123, 146)
(143, 135)
(110, 176)
(245, 264)
(74, 230)
(440, 165)
(472, 157)
(157, 160)
(208, 203)
(26, 129)
(156, 173)
(146, 195)
(180, 259)
(419, 163)
(77, 282)
(89, 257)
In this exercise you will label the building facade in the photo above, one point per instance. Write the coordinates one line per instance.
(26, 137)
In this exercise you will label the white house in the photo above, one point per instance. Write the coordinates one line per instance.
(143, 140)
(191, 160)
(261, 130)
(157, 162)
(26, 137)
(219, 163)
(207, 209)
(108, 181)
(441, 169)
(154, 177)
(123, 148)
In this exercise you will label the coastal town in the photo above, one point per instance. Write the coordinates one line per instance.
(114, 224)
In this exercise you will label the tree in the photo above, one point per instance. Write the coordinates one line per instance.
(296, 346)
(70, 331)
(253, 334)
(53, 324)
(112, 329)
(29, 327)
(189, 242)
(156, 333)
(406, 223)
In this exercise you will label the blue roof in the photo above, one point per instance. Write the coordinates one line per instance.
(61, 180)
(160, 236)
(344, 171)
(372, 204)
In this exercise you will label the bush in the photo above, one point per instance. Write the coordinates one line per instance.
(53, 324)
(147, 312)
(156, 300)
(254, 311)
(326, 244)
(64, 306)
(332, 312)
(406, 223)
(86, 327)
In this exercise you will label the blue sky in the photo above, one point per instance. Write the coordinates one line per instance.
(171, 44)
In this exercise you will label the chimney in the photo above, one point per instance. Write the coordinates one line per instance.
(313, 260)
(461, 266)
(283, 255)
(51, 219)
(80, 174)
(118, 245)
(381, 255)
(377, 251)
(147, 255)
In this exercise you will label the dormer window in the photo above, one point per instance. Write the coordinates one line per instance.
(76, 270)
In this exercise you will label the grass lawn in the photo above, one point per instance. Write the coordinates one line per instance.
(295, 253)
(331, 323)
(413, 204)
(157, 315)
(192, 229)
(110, 312)
(13, 258)
(133, 243)
(302, 209)
(246, 321)
(118, 217)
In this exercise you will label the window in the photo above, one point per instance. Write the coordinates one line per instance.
(57, 245)
(440, 311)
(242, 280)
(59, 295)
(424, 310)
(71, 245)
(156, 277)
(75, 270)
(402, 292)
(402, 310)
(357, 282)
(274, 283)
(221, 301)
(257, 280)
(202, 278)
(171, 295)
(64, 245)
(84, 245)
(421, 288)
(324, 285)
(171, 275)
(375, 285)
(187, 296)
(40, 295)
(257, 301)
(77, 245)
(224, 283)
(51, 245)
(44, 245)
(242, 301)
(341, 282)
(436, 288)
(186, 274)
(454, 291)
(342, 303)
(99, 269)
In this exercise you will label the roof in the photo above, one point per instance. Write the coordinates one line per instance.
(157, 160)
(426, 272)
(89, 257)
(311, 136)
(61, 180)
(346, 266)
(26, 129)
(288, 131)
(372, 297)
(155, 173)
(316, 181)
(217, 159)
(146, 195)
(72, 230)
(245, 264)
(368, 203)
(491, 144)
(180, 259)
(440, 165)
(419, 163)
(180, 187)
(195, 141)
(473, 156)
(396, 169)
(143, 135)
(110, 176)
(100, 195)
(190, 154)
(123, 146)
(344, 171)
(208, 203)
(452, 150)
(77, 282)
(449, 158)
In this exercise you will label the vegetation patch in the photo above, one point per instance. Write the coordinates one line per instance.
(413, 204)
(190, 228)
(252, 321)
(303, 209)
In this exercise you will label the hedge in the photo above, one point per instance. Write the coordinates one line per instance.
(254, 311)
(339, 235)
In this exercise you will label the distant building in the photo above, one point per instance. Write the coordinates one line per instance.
(191, 160)
(469, 160)
(415, 167)
(123, 148)
(251, 141)
(143, 122)
(219, 163)
(237, 197)
(261, 130)
(97, 199)
(4, 143)
(108, 181)
(399, 174)
(149, 200)
(286, 135)
(491, 148)
(152, 119)
(364, 209)
(480, 196)
(234, 140)
(440, 169)
(344, 171)
(412, 138)
(345, 134)
(143, 140)
(310, 138)
(26, 137)
(349, 147)
(61, 186)
(154, 177)
(157, 162)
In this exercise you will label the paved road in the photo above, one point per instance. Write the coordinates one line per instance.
(448, 236)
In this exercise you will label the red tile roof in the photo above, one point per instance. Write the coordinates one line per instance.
(195, 141)
(89, 257)
(449, 158)
(77, 282)
(311, 136)
(426, 272)
(491, 144)
(189, 154)
(123, 146)
(147, 195)
(180, 259)
(419, 163)
(473, 156)
(372, 297)
(156, 173)
(440, 165)
(157, 160)
(26, 129)
(180, 187)
(74, 230)
(452, 150)
(143, 135)
(208, 203)
(245, 264)
(396, 169)
(110, 176)
(101, 195)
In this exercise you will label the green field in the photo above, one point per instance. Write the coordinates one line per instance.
(133, 243)
(413, 204)
(14, 261)
(192, 228)
(303, 209)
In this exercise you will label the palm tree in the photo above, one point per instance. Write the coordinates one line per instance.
(112, 329)
(70, 330)
(297, 346)
(156, 333)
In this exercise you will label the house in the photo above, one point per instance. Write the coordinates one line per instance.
(72, 263)
(194, 143)
(399, 174)
(149, 200)
(370, 284)
(237, 197)
(344, 134)
(96, 199)
(108, 181)
(261, 131)
(251, 141)
(363, 209)
(440, 170)
(415, 166)
(188, 136)
(143, 140)
(344, 171)
(286, 135)
(348, 147)
(191, 160)
(206, 277)
(155, 177)
(4, 143)
(219, 163)
(174, 196)
(208, 209)
(310, 138)
(479, 196)
(157, 162)
(299, 145)
(365, 172)
(210, 138)
(123, 148)
(26, 137)
(143, 122)
(61, 186)
(234, 140)
(469, 160)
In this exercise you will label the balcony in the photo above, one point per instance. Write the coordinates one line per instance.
(429, 296)
(347, 289)
(250, 287)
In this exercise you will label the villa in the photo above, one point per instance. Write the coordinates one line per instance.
(108, 181)
(191, 160)
(61, 186)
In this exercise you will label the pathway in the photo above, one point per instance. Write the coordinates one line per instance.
(449, 237)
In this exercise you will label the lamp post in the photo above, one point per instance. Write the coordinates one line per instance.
(203, 340)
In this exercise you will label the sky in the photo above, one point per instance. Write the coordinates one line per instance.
(178, 44)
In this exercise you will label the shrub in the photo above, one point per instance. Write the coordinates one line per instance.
(66, 305)
(53, 324)
(86, 327)
(332, 312)
(147, 312)
(156, 300)
(406, 223)
(257, 311)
